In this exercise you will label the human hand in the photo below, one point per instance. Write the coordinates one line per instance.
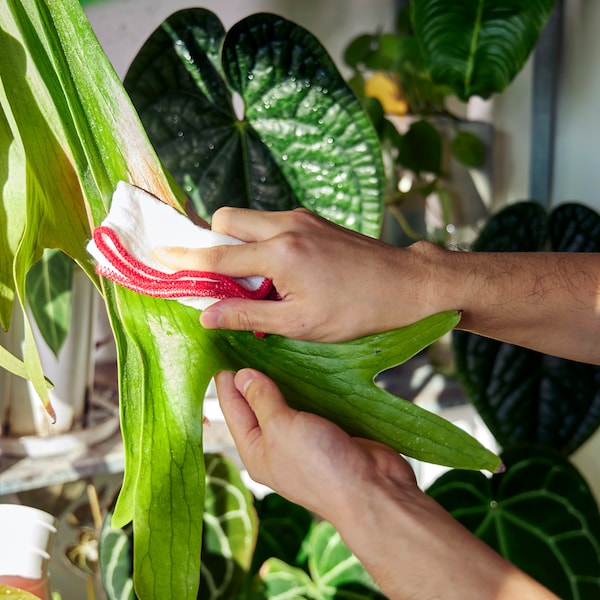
(334, 284)
(302, 456)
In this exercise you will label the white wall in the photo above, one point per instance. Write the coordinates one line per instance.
(123, 25)
(577, 154)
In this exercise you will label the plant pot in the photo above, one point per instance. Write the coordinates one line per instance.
(26, 428)
(27, 540)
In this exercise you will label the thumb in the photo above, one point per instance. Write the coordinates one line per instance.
(262, 395)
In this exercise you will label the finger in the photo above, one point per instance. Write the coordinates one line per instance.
(239, 417)
(250, 225)
(266, 316)
(264, 398)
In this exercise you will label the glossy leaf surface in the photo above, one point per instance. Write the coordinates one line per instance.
(303, 138)
(476, 48)
(540, 514)
(522, 395)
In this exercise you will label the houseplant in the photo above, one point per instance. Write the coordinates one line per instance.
(409, 79)
(68, 134)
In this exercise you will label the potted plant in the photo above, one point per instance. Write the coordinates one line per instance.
(415, 81)
(58, 88)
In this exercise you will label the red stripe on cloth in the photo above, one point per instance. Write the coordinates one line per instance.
(133, 274)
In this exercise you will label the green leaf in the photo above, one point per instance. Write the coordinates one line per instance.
(230, 530)
(356, 51)
(522, 395)
(283, 529)
(540, 514)
(49, 284)
(303, 139)
(477, 48)
(8, 591)
(228, 540)
(421, 148)
(115, 560)
(334, 572)
(468, 149)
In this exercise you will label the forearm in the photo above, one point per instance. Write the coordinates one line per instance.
(415, 551)
(545, 301)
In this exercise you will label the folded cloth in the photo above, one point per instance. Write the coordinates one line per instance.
(136, 225)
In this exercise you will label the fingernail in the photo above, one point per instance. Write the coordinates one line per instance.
(243, 379)
(210, 319)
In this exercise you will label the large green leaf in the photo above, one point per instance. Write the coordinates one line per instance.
(70, 133)
(522, 395)
(228, 541)
(540, 514)
(303, 138)
(477, 47)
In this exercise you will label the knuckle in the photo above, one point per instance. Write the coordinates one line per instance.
(221, 217)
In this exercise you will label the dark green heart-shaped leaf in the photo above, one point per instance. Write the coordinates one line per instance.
(476, 48)
(303, 138)
(540, 514)
(525, 396)
(521, 227)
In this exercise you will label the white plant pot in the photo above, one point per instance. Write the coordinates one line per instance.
(26, 428)
(27, 539)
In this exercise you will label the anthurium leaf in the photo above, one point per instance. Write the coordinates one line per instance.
(303, 137)
(522, 395)
(540, 514)
(334, 572)
(230, 530)
(115, 560)
(477, 48)
(519, 227)
(574, 228)
(283, 529)
(49, 284)
(334, 568)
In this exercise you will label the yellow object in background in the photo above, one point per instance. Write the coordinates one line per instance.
(387, 90)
